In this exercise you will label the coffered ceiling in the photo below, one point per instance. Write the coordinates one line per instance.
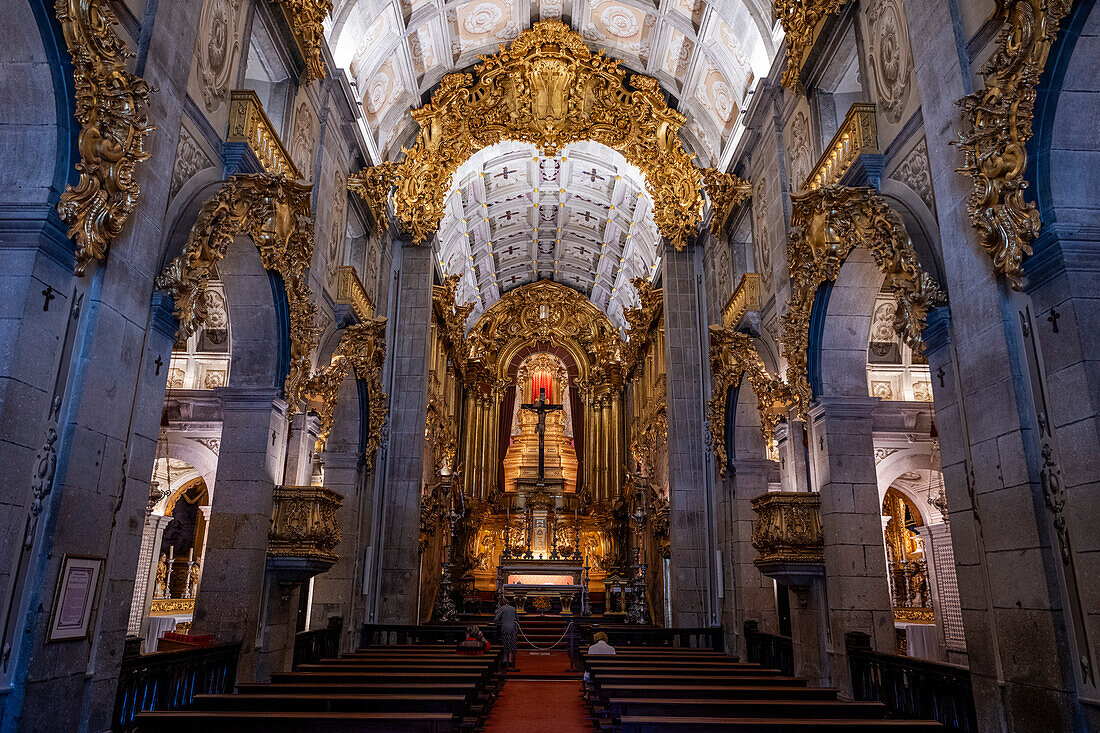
(706, 55)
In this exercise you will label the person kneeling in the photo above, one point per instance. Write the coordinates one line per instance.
(474, 643)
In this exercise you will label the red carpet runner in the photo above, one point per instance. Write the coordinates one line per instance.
(543, 696)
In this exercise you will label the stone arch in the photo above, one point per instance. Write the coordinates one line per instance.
(838, 362)
(889, 469)
(549, 89)
(260, 352)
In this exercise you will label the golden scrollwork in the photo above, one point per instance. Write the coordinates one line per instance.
(547, 88)
(641, 322)
(172, 606)
(307, 18)
(733, 355)
(997, 127)
(452, 316)
(788, 528)
(826, 225)
(248, 124)
(801, 21)
(275, 213)
(725, 191)
(304, 523)
(360, 352)
(373, 184)
(111, 106)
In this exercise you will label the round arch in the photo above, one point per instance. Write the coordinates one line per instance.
(890, 469)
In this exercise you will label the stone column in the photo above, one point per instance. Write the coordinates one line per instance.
(250, 464)
(399, 529)
(690, 497)
(334, 589)
(794, 473)
(145, 578)
(857, 593)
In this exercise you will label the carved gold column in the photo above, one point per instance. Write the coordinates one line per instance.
(493, 428)
(467, 442)
(616, 419)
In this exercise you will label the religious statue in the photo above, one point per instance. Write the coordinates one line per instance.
(541, 408)
(193, 573)
(160, 586)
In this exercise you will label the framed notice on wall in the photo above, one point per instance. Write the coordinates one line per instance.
(76, 587)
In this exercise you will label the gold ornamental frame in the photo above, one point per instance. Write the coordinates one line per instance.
(827, 224)
(801, 21)
(275, 213)
(549, 89)
(996, 129)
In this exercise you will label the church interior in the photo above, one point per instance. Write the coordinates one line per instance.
(478, 365)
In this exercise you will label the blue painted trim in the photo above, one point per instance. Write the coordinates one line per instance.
(61, 72)
(818, 312)
(282, 318)
(364, 413)
(732, 395)
(1046, 107)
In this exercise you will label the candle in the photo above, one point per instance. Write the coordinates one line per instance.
(191, 555)
(171, 553)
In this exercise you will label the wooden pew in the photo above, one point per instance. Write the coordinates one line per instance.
(329, 703)
(189, 721)
(621, 707)
(721, 692)
(669, 724)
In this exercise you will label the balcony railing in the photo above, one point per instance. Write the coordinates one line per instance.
(744, 299)
(304, 524)
(170, 680)
(350, 291)
(787, 534)
(310, 647)
(249, 125)
(770, 650)
(912, 688)
(858, 135)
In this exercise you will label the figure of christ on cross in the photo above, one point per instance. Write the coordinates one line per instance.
(541, 408)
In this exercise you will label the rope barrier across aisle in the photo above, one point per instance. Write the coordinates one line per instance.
(542, 649)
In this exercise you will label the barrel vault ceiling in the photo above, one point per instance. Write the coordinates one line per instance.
(581, 218)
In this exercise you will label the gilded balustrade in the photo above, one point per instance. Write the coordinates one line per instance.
(744, 299)
(858, 135)
(304, 524)
(350, 291)
(248, 124)
(787, 535)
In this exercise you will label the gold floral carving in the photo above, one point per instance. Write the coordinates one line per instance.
(275, 213)
(452, 315)
(801, 21)
(725, 191)
(172, 606)
(360, 353)
(304, 523)
(788, 528)
(111, 106)
(373, 184)
(547, 88)
(826, 225)
(641, 322)
(732, 356)
(997, 127)
(307, 19)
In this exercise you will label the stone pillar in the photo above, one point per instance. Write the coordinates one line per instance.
(690, 497)
(794, 472)
(857, 593)
(399, 528)
(145, 578)
(250, 464)
(334, 589)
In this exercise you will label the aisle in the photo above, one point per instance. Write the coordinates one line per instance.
(542, 695)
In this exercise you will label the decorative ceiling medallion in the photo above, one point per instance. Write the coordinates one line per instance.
(547, 88)
(111, 107)
(275, 213)
(997, 127)
(827, 224)
(801, 20)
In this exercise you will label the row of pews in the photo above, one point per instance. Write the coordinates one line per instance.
(398, 689)
(676, 690)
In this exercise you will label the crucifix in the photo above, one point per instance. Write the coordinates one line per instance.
(541, 407)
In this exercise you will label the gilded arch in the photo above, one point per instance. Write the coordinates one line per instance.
(548, 88)
(275, 213)
(827, 224)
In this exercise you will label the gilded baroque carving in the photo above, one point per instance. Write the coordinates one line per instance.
(641, 322)
(373, 184)
(111, 106)
(788, 528)
(996, 129)
(800, 20)
(275, 213)
(732, 356)
(307, 19)
(725, 191)
(304, 523)
(826, 225)
(549, 89)
(360, 353)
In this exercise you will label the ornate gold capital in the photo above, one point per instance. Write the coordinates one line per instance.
(997, 127)
(826, 225)
(114, 128)
(275, 213)
(801, 21)
(547, 88)
(361, 352)
(725, 191)
(307, 19)
(452, 316)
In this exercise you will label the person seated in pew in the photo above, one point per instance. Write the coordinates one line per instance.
(474, 643)
(601, 646)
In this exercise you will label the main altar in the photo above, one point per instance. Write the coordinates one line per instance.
(562, 582)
